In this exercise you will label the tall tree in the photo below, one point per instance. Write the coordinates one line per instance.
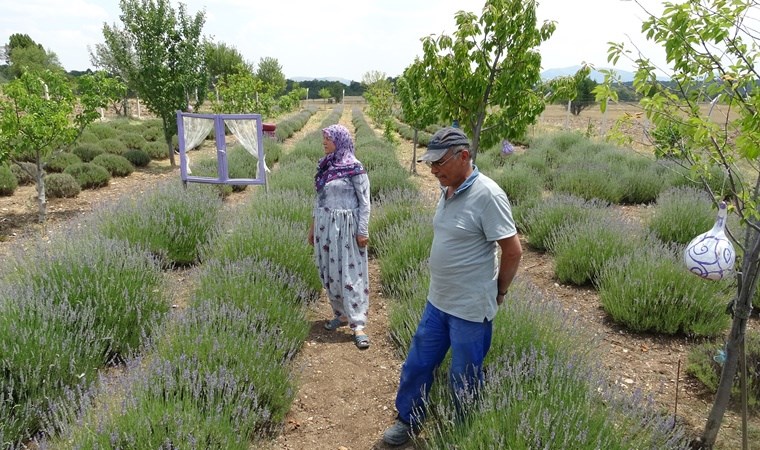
(116, 56)
(36, 113)
(270, 74)
(419, 108)
(24, 54)
(223, 61)
(168, 66)
(18, 40)
(712, 47)
(487, 72)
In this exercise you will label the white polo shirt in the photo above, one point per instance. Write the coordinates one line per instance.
(463, 258)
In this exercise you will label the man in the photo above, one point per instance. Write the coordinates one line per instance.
(472, 221)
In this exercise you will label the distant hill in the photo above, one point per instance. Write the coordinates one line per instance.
(342, 80)
(625, 76)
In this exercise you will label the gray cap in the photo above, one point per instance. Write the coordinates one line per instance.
(441, 141)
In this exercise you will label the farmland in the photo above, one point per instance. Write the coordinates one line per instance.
(320, 418)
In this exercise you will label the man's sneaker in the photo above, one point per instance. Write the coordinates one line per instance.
(398, 433)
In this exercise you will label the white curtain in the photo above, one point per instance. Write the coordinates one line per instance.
(196, 130)
(246, 133)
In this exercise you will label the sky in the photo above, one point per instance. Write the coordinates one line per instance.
(337, 38)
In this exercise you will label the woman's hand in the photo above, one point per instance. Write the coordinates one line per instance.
(361, 241)
(310, 239)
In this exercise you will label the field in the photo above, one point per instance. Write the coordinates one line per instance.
(354, 416)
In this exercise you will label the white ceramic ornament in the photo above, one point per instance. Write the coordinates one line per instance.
(711, 255)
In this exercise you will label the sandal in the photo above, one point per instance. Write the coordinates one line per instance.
(361, 341)
(335, 324)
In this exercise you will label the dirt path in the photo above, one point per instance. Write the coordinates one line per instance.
(345, 397)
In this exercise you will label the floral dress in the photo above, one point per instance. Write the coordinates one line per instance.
(341, 212)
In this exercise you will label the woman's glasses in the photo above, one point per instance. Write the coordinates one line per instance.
(441, 163)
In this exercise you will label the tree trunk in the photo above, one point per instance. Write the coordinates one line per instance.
(41, 200)
(413, 169)
(742, 308)
(169, 143)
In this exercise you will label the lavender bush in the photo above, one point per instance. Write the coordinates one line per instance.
(523, 185)
(171, 404)
(171, 221)
(681, 214)
(649, 289)
(582, 248)
(67, 309)
(268, 238)
(121, 285)
(47, 345)
(589, 180)
(541, 220)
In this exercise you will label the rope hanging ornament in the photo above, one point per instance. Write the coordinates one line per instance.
(711, 254)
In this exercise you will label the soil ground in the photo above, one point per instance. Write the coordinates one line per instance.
(345, 396)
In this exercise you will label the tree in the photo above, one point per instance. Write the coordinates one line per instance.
(221, 62)
(576, 91)
(336, 91)
(487, 72)
(419, 109)
(243, 93)
(106, 89)
(167, 63)
(18, 40)
(35, 120)
(117, 57)
(23, 54)
(271, 76)
(379, 95)
(324, 93)
(712, 47)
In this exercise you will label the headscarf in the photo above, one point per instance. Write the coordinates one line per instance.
(341, 163)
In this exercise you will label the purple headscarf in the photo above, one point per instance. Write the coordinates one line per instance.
(341, 163)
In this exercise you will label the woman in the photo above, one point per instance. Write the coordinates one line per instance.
(339, 232)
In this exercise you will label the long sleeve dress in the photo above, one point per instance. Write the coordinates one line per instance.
(341, 212)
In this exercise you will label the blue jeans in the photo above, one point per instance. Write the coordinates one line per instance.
(436, 333)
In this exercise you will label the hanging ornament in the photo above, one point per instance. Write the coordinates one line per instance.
(711, 255)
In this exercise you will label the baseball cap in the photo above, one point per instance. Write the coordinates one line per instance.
(441, 141)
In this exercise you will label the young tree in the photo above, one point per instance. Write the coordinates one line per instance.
(324, 93)
(486, 74)
(243, 93)
(379, 95)
(35, 120)
(106, 89)
(168, 64)
(418, 107)
(712, 47)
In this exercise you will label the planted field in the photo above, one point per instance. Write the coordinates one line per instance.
(354, 414)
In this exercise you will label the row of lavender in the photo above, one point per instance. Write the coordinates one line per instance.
(96, 297)
(634, 263)
(545, 388)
